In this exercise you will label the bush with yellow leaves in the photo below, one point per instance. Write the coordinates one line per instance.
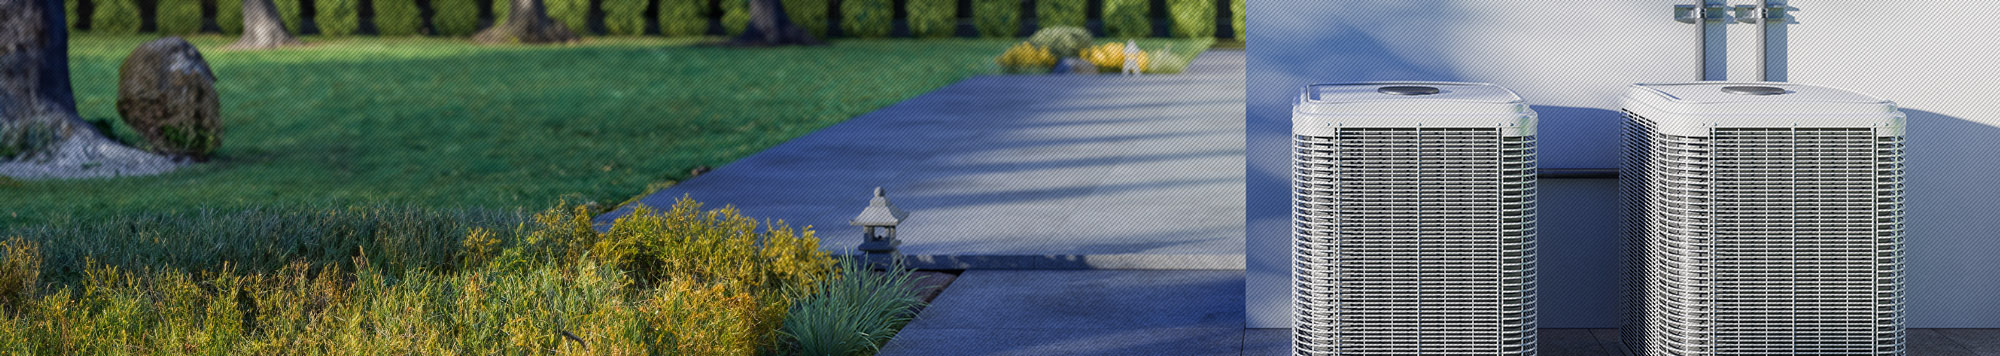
(1110, 57)
(1026, 58)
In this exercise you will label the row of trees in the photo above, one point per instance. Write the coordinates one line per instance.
(821, 18)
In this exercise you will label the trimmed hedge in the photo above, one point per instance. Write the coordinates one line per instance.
(342, 17)
(681, 18)
(867, 18)
(624, 17)
(229, 16)
(178, 17)
(69, 14)
(395, 17)
(1052, 13)
(502, 8)
(454, 17)
(574, 14)
(809, 14)
(735, 16)
(997, 18)
(1192, 18)
(1127, 18)
(288, 10)
(1236, 10)
(931, 18)
(115, 17)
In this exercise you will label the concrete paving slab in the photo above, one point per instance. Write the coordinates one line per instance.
(1047, 172)
(1931, 342)
(1983, 342)
(1104, 299)
(1081, 312)
(1039, 342)
(1267, 342)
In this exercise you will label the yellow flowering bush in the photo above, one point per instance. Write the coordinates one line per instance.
(1110, 57)
(1026, 58)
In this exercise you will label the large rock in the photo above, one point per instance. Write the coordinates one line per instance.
(167, 93)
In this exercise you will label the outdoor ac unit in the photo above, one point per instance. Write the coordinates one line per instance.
(1762, 219)
(1413, 220)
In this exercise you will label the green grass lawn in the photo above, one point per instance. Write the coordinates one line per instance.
(447, 123)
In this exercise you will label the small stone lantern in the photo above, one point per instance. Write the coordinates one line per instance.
(880, 250)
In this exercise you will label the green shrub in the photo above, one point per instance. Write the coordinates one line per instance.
(69, 14)
(574, 14)
(931, 18)
(114, 17)
(997, 18)
(1236, 10)
(229, 16)
(867, 18)
(624, 17)
(811, 15)
(1192, 18)
(396, 17)
(178, 17)
(455, 17)
(735, 16)
(1063, 41)
(1052, 13)
(20, 274)
(502, 8)
(288, 10)
(410, 281)
(1127, 18)
(343, 17)
(679, 18)
(854, 313)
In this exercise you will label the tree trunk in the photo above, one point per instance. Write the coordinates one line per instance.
(527, 22)
(262, 28)
(769, 26)
(39, 127)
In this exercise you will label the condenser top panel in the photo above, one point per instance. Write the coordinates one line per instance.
(1410, 104)
(1691, 108)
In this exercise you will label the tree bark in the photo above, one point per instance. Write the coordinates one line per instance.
(262, 27)
(527, 22)
(38, 109)
(769, 26)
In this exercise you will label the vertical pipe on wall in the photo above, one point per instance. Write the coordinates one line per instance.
(1774, 54)
(1714, 40)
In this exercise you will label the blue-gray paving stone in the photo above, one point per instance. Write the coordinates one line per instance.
(1084, 172)
(1267, 342)
(1041, 342)
(1093, 299)
(1081, 312)
(1982, 342)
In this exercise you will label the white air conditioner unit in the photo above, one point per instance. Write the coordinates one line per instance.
(1414, 220)
(1762, 219)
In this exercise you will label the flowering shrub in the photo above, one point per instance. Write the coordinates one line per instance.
(1026, 58)
(1110, 57)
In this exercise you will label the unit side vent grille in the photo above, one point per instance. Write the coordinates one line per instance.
(1764, 241)
(1414, 241)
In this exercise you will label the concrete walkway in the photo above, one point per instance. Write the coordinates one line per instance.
(1023, 172)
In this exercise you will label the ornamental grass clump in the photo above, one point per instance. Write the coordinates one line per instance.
(853, 313)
